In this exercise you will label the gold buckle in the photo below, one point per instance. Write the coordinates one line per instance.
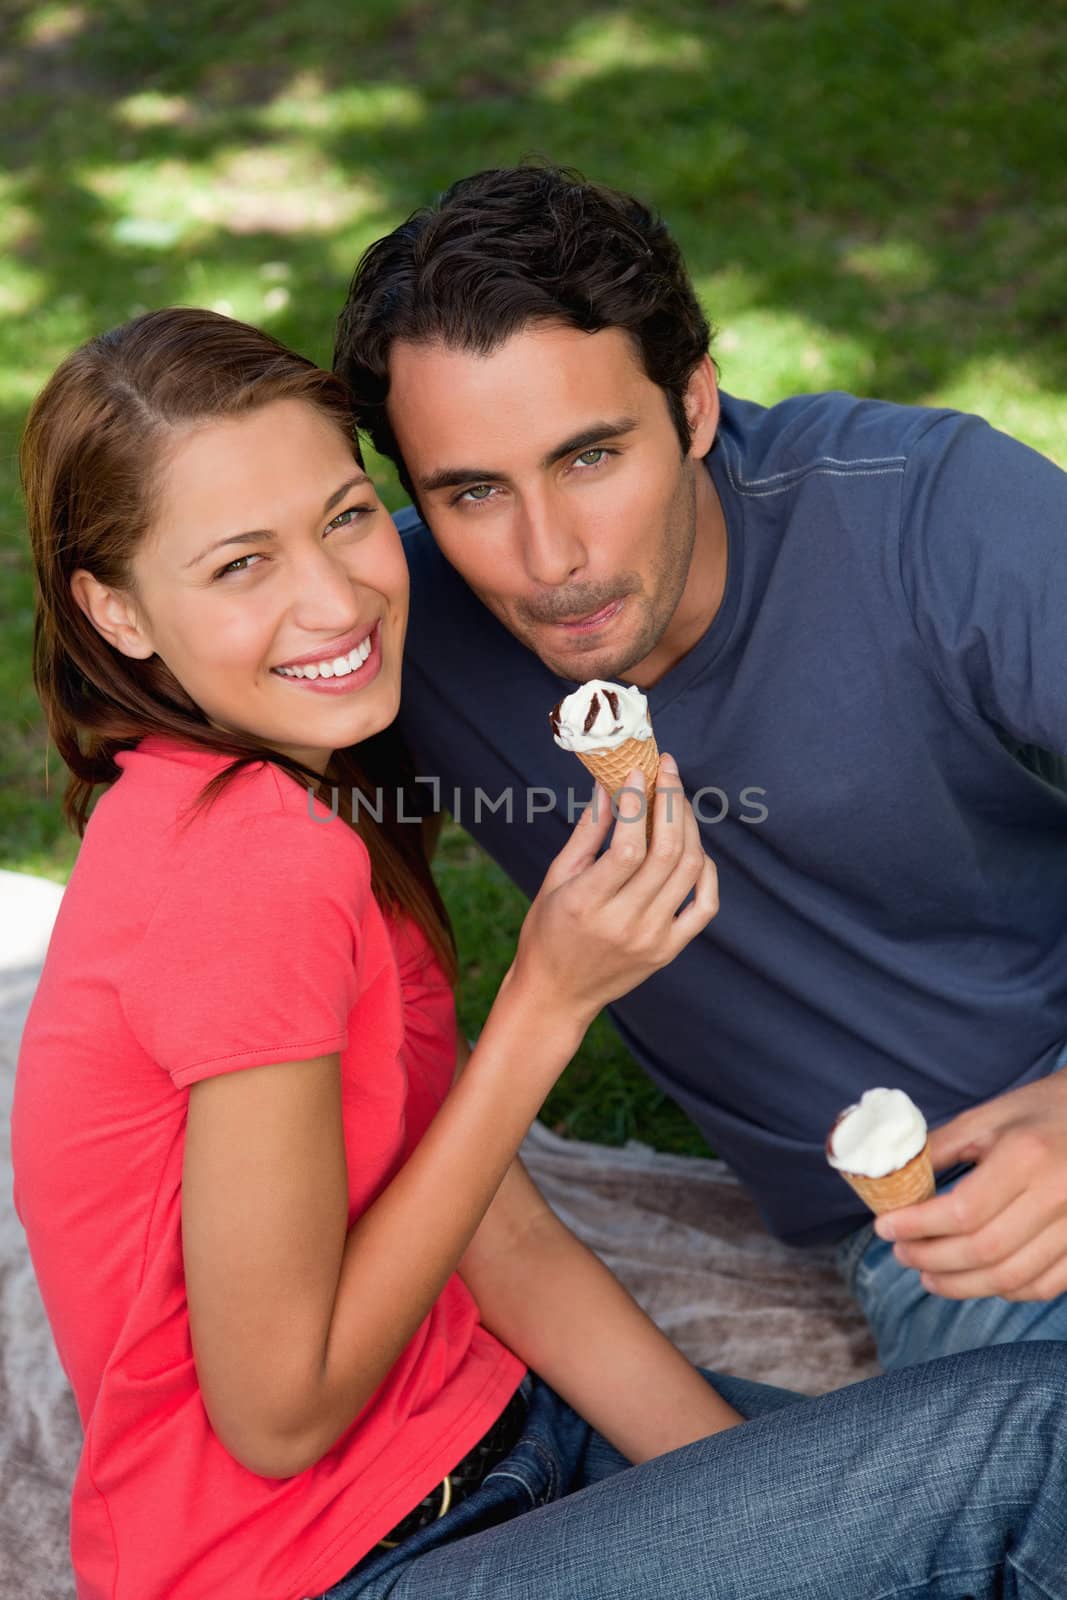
(446, 1498)
(446, 1501)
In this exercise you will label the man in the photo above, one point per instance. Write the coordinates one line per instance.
(847, 617)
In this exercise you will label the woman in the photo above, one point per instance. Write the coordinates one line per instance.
(324, 1335)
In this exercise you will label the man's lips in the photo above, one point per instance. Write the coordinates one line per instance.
(593, 619)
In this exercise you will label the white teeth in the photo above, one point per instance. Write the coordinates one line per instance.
(339, 667)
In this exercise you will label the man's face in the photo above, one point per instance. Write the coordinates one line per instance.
(553, 480)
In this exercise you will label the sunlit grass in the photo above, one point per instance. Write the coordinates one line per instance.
(52, 24)
(152, 110)
(281, 188)
(308, 102)
(1011, 394)
(596, 46)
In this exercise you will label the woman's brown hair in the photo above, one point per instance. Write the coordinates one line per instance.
(89, 459)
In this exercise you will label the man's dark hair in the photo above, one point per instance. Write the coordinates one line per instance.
(509, 247)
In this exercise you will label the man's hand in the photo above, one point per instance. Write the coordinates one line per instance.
(1002, 1230)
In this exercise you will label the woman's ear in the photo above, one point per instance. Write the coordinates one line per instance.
(113, 615)
(702, 407)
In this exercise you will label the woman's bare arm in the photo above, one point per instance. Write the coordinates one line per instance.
(295, 1319)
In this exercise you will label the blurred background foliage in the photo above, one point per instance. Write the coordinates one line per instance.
(871, 195)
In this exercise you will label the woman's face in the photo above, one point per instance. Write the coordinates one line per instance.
(270, 550)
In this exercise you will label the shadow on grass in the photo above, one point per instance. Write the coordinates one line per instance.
(870, 196)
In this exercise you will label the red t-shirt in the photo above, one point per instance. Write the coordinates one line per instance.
(249, 938)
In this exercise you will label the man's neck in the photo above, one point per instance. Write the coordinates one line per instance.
(703, 593)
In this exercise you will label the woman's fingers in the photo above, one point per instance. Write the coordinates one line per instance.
(642, 871)
(626, 852)
(586, 837)
(602, 924)
(641, 884)
(698, 913)
(675, 866)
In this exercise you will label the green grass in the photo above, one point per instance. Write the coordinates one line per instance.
(870, 194)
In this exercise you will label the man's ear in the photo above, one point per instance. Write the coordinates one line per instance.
(113, 615)
(702, 407)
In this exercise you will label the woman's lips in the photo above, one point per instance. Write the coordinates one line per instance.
(595, 620)
(351, 680)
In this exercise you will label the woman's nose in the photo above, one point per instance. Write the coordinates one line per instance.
(325, 593)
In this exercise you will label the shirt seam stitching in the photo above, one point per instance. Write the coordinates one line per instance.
(927, 653)
(741, 486)
(252, 1050)
(815, 466)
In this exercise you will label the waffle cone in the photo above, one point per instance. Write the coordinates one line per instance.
(612, 768)
(909, 1184)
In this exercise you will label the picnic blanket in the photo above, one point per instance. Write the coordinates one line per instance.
(679, 1231)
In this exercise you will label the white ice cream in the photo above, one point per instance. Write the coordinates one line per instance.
(601, 716)
(883, 1132)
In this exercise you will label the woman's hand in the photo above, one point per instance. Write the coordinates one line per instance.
(600, 926)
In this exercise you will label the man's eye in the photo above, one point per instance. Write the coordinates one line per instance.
(477, 493)
(599, 453)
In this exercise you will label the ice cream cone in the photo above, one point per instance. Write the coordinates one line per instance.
(607, 726)
(611, 768)
(909, 1184)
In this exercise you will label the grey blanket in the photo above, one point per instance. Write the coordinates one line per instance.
(678, 1231)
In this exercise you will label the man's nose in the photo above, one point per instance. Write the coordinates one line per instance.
(552, 547)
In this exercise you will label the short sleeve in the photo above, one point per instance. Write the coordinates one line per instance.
(984, 568)
(252, 952)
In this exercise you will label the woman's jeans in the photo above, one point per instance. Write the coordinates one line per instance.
(943, 1480)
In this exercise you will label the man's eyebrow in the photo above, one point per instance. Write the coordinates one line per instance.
(254, 535)
(453, 477)
(588, 437)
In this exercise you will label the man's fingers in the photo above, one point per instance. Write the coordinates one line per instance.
(970, 1205)
(1037, 1271)
(966, 1138)
(1008, 1232)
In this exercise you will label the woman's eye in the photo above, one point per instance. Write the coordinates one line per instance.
(350, 514)
(235, 566)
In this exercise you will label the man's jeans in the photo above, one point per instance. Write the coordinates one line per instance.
(911, 1325)
(945, 1481)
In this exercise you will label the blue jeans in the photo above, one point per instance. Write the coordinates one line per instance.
(941, 1482)
(909, 1324)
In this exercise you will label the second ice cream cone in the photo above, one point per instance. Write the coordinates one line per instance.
(909, 1184)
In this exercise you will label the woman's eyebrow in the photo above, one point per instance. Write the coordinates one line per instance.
(268, 533)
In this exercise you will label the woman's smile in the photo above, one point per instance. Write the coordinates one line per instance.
(339, 674)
